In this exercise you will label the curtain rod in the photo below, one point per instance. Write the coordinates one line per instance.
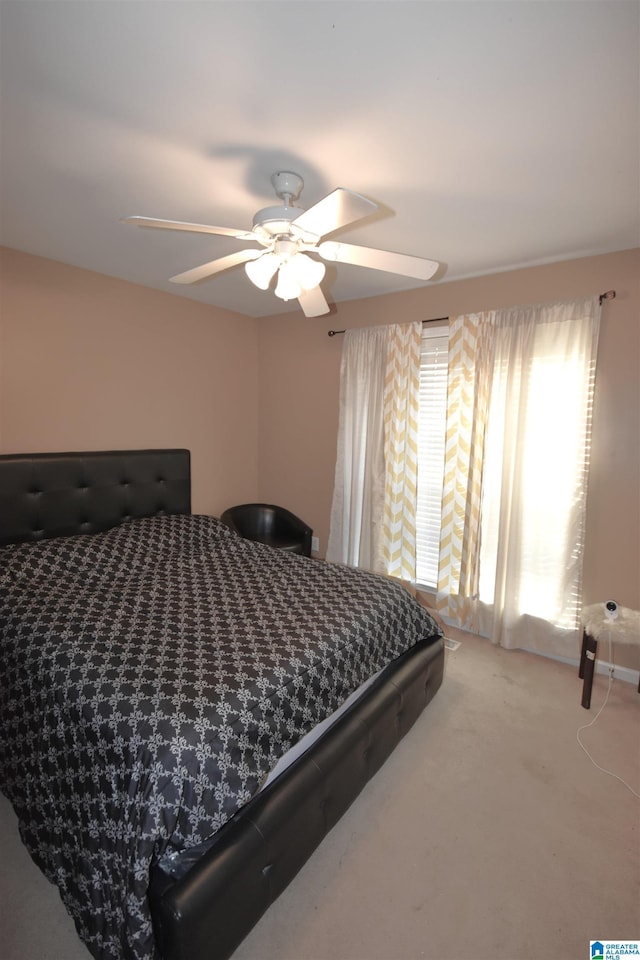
(332, 333)
(608, 295)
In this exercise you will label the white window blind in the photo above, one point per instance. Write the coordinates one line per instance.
(431, 450)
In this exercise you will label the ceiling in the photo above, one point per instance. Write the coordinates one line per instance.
(493, 135)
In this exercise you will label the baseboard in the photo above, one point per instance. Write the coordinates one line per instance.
(627, 674)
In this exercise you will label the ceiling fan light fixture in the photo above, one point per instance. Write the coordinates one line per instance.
(297, 273)
(261, 271)
(288, 286)
(309, 272)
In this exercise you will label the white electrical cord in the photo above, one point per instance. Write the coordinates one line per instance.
(591, 723)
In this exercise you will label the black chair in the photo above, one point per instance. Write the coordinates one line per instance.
(267, 523)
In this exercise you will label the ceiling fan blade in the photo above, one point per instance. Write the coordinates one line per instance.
(191, 227)
(313, 302)
(207, 270)
(337, 209)
(417, 267)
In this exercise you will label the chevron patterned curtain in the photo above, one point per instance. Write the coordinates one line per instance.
(401, 413)
(467, 411)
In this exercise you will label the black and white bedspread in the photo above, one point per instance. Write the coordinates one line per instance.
(151, 677)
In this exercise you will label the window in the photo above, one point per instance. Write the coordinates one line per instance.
(431, 449)
(540, 481)
(519, 408)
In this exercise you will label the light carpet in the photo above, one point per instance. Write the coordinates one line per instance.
(487, 835)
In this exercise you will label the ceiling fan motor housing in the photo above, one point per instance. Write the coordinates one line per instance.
(275, 221)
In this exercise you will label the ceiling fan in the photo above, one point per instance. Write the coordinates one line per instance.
(288, 235)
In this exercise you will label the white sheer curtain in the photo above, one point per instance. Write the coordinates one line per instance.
(374, 500)
(358, 494)
(528, 457)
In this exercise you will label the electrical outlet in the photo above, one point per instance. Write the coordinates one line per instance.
(315, 544)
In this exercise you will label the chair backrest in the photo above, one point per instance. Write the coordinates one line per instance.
(271, 524)
(255, 520)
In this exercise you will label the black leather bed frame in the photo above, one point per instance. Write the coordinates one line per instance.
(206, 914)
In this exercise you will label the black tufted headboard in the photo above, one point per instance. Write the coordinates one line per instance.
(60, 494)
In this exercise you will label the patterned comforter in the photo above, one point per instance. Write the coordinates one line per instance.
(152, 675)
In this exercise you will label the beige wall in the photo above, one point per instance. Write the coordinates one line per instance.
(88, 362)
(299, 400)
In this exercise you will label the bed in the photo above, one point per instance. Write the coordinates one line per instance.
(156, 669)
